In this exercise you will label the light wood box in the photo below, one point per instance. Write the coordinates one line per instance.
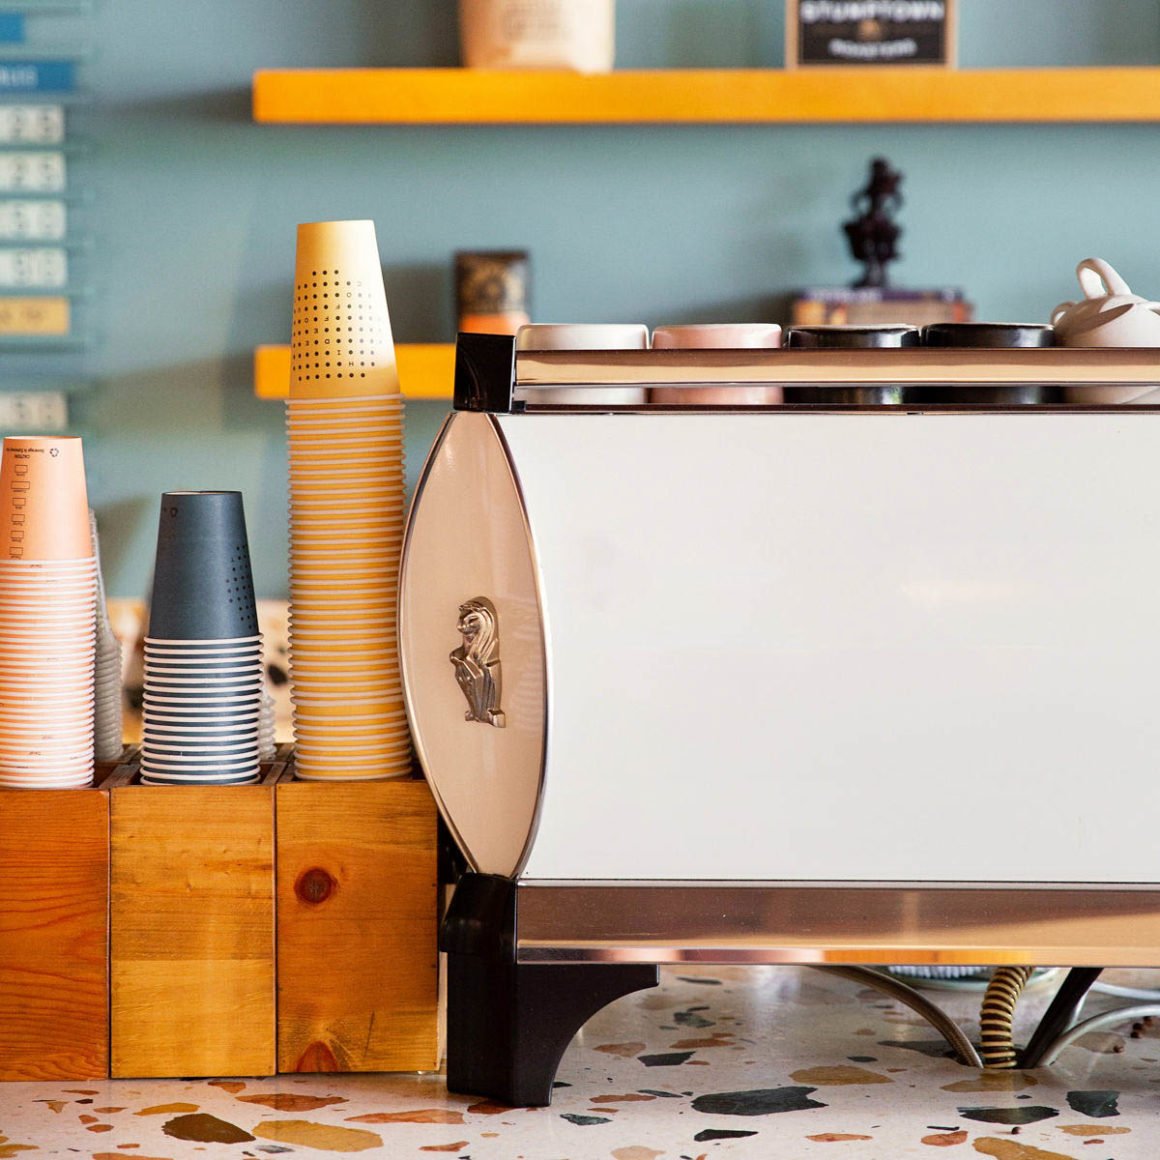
(151, 931)
(192, 929)
(357, 926)
(54, 915)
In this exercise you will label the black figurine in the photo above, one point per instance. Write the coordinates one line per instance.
(872, 235)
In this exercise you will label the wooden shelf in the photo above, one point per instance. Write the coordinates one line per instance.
(426, 370)
(896, 94)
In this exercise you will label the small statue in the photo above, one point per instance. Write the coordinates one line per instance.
(476, 661)
(872, 235)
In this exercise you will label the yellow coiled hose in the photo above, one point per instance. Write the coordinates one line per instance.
(998, 1015)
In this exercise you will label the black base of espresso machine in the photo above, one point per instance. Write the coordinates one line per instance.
(509, 1023)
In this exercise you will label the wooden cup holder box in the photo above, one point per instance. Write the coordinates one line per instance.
(217, 930)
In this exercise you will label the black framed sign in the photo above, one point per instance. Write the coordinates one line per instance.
(869, 32)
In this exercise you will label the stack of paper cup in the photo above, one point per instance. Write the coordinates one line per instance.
(203, 653)
(267, 738)
(344, 422)
(48, 585)
(108, 722)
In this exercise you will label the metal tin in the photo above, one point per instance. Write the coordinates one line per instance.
(850, 338)
(988, 336)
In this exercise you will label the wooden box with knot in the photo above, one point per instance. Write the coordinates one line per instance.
(218, 930)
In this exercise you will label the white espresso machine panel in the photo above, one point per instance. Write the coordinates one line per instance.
(777, 644)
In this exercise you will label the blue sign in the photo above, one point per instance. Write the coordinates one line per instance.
(11, 27)
(37, 76)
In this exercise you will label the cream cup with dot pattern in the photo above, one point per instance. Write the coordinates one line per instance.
(341, 342)
(344, 423)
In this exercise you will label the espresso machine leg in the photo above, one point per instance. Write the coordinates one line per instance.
(509, 1023)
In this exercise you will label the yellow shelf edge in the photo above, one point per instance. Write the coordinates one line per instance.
(426, 370)
(692, 96)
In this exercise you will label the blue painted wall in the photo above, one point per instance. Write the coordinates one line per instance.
(195, 211)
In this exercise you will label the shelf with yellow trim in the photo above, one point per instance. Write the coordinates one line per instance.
(691, 96)
(426, 370)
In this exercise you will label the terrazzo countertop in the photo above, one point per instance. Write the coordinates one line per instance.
(757, 1062)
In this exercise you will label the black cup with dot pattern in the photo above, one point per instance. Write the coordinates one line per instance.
(203, 588)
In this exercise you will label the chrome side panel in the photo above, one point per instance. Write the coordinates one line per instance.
(962, 925)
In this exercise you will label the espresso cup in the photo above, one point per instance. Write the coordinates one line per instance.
(717, 336)
(584, 336)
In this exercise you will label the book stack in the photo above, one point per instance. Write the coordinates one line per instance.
(873, 306)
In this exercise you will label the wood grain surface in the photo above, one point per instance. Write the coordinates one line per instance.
(54, 866)
(192, 930)
(357, 926)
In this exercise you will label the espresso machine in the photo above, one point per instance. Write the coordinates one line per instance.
(820, 681)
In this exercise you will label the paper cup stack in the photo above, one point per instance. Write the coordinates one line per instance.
(344, 422)
(48, 586)
(203, 653)
(108, 721)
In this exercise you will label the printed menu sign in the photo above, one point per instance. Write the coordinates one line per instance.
(45, 256)
(869, 32)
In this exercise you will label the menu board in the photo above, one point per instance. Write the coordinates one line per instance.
(869, 32)
(43, 48)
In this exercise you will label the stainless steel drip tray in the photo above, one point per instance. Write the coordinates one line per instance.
(960, 924)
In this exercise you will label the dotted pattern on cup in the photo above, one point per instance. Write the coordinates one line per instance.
(339, 329)
(240, 588)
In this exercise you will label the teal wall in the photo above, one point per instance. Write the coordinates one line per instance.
(195, 209)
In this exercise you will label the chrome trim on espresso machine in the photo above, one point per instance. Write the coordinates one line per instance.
(920, 924)
(917, 366)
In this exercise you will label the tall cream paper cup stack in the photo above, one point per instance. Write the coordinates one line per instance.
(48, 591)
(344, 422)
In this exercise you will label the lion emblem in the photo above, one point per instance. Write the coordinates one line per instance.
(476, 661)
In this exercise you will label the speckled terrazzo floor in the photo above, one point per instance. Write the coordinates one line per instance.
(758, 1063)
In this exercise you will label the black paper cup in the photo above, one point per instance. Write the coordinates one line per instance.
(228, 682)
(169, 733)
(150, 776)
(152, 780)
(194, 648)
(194, 743)
(169, 755)
(203, 588)
(208, 664)
(184, 772)
(206, 694)
(164, 714)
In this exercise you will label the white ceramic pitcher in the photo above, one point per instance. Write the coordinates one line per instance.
(1109, 313)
